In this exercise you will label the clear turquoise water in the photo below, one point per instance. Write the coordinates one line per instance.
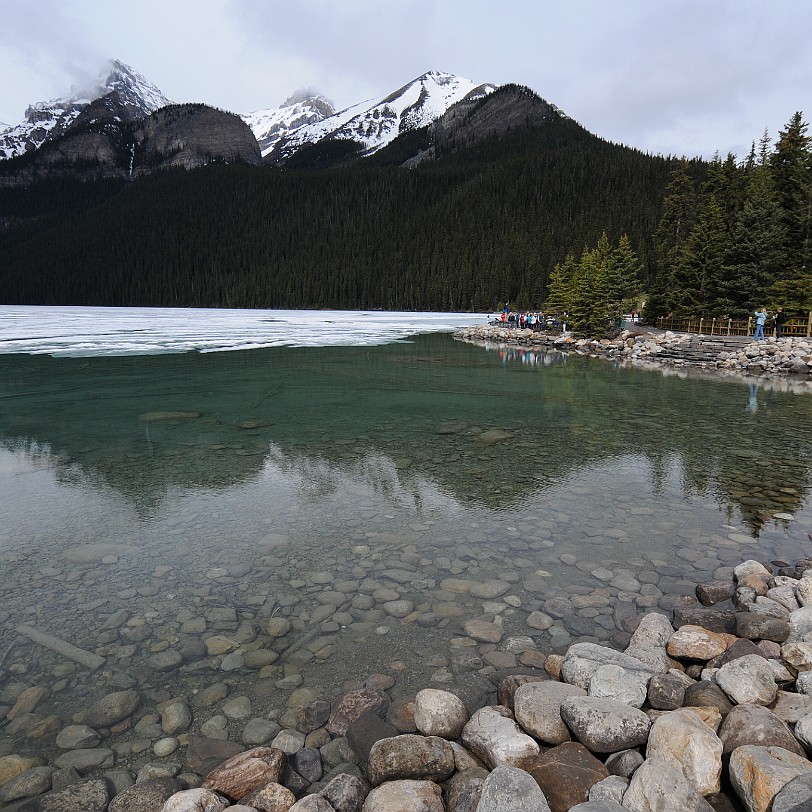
(170, 484)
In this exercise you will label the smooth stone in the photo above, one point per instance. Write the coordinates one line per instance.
(272, 797)
(493, 736)
(410, 756)
(288, 741)
(439, 713)
(110, 709)
(90, 795)
(27, 784)
(612, 788)
(259, 731)
(756, 626)
(624, 763)
(707, 694)
(175, 716)
(85, 759)
(14, 764)
(748, 680)
(537, 708)
(539, 620)
(405, 796)
(506, 692)
(696, 643)
(237, 708)
(166, 746)
(508, 789)
(583, 659)
(75, 737)
(484, 631)
(616, 683)
(605, 726)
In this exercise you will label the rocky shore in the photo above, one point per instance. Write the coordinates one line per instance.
(786, 356)
(706, 708)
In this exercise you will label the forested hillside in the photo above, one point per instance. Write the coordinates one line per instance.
(479, 225)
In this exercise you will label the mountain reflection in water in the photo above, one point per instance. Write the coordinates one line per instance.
(487, 429)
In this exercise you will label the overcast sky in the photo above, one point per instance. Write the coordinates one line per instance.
(685, 77)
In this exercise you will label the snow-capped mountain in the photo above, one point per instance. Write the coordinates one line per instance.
(303, 107)
(374, 124)
(47, 120)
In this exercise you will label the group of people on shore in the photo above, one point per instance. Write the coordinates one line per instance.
(534, 320)
(779, 320)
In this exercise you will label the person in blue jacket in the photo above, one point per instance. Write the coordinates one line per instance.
(761, 320)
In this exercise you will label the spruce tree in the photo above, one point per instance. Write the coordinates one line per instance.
(756, 250)
(677, 220)
(791, 166)
(700, 266)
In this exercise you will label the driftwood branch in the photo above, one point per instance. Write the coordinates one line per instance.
(79, 655)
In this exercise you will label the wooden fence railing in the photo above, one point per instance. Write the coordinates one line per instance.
(733, 327)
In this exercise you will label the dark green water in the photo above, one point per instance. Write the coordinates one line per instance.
(280, 482)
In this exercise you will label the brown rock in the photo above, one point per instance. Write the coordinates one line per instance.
(756, 725)
(27, 701)
(247, 772)
(367, 729)
(707, 694)
(714, 592)
(203, 754)
(350, 706)
(741, 648)
(401, 715)
(566, 773)
(510, 684)
(761, 627)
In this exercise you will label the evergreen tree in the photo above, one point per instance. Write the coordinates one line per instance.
(700, 266)
(676, 222)
(791, 166)
(560, 286)
(755, 252)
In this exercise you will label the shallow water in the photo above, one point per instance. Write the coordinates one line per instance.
(204, 494)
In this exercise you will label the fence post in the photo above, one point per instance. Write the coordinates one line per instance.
(809, 325)
(729, 325)
(749, 324)
(713, 325)
(701, 320)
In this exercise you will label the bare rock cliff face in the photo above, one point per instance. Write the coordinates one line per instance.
(475, 118)
(104, 141)
(192, 135)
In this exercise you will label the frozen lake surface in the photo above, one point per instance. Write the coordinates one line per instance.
(89, 331)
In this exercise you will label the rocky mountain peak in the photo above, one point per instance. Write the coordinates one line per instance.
(47, 120)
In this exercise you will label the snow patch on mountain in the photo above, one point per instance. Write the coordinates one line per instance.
(49, 119)
(374, 125)
(303, 107)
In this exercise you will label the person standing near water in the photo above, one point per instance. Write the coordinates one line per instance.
(761, 320)
(780, 320)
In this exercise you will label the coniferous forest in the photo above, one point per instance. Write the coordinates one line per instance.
(482, 224)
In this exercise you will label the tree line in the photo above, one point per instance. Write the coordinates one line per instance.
(740, 239)
(487, 223)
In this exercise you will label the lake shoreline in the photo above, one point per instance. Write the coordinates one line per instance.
(790, 357)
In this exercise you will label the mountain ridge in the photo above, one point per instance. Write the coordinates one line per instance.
(304, 119)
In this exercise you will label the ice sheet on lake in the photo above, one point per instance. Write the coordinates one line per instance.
(87, 331)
